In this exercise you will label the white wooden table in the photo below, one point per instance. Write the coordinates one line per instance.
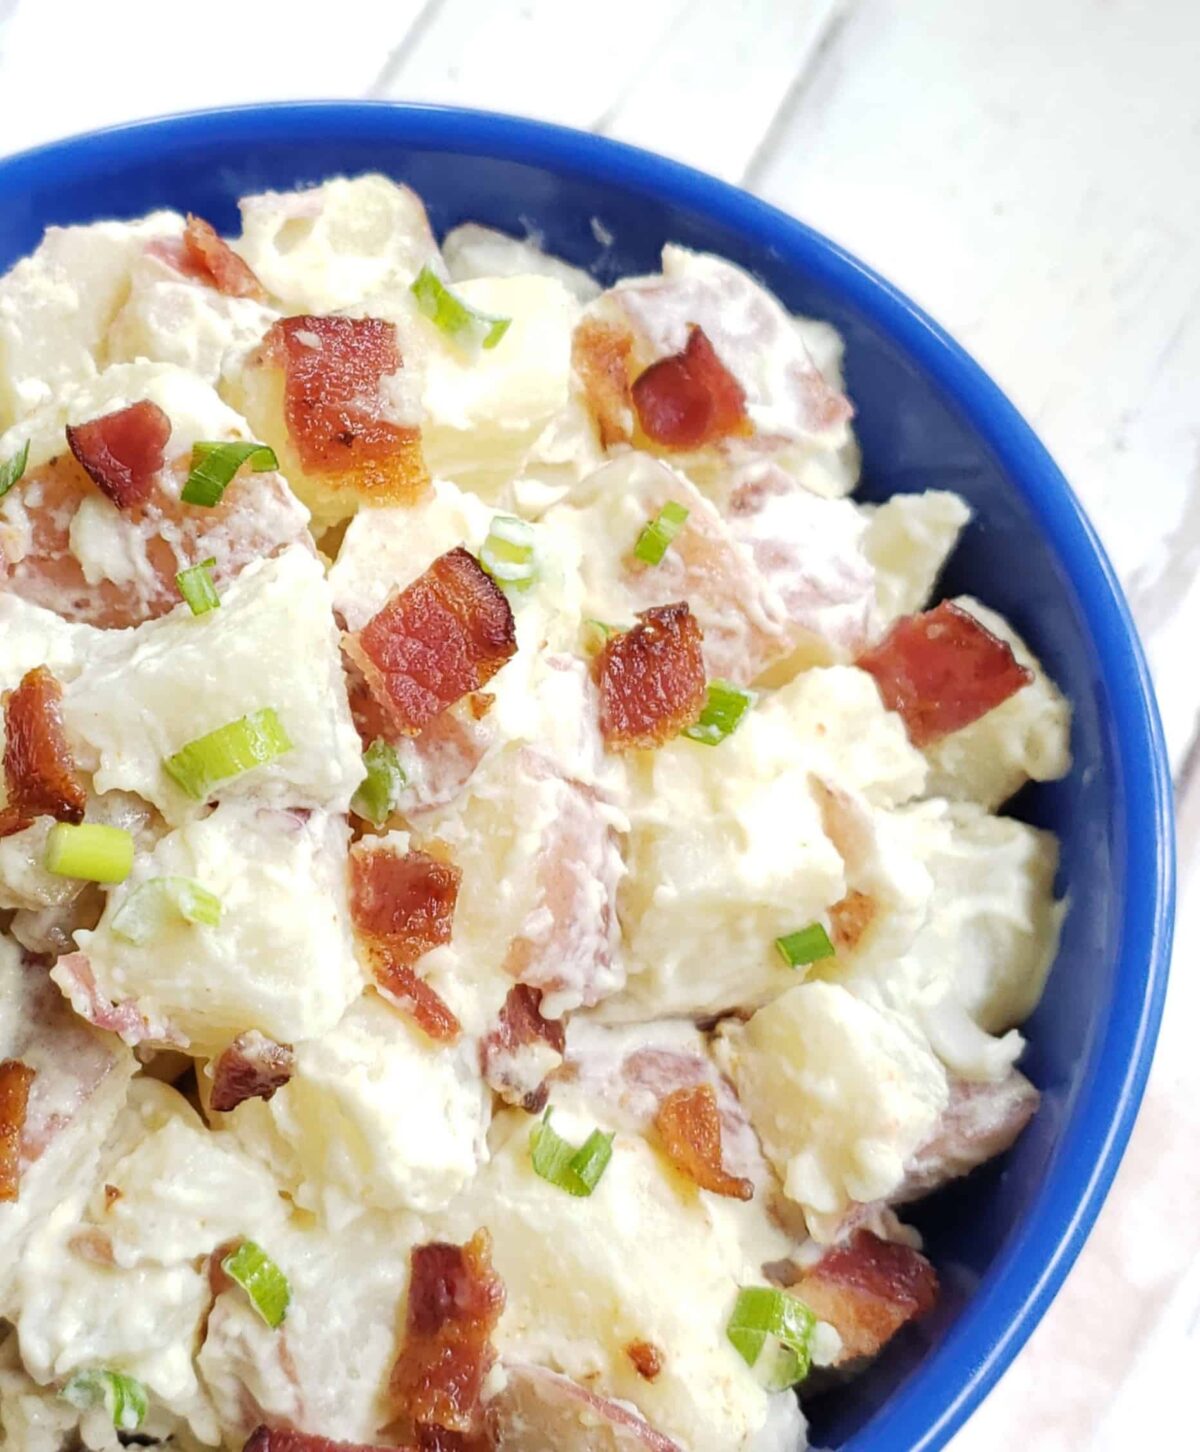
(1030, 172)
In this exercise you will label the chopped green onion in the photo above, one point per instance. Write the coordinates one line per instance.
(196, 587)
(261, 1279)
(576, 1170)
(724, 707)
(155, 904)
(596, 635)
(90, 851)
(12, 469)
(121, 1396)
(228, 751)
(450, 315)
(215, 464)
(376, 798)
(507, 554)
(805, 946)
(654, 539)
(773, 1332)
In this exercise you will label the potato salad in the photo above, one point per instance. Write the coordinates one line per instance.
(504, 886)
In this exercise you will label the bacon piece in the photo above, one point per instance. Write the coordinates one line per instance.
(285, 1439)
(850, 918)
(39, 771)
(600, 354)
(651, 679)
(646, 1357)
(690, 399)
(403, 906)
(334, 405)
(15, 1081)
(454, 1302)
(123, 452)
(941, 670)
(252, 1067)
(541, 1409)
(427, 1008)
(867, 1289)
(211, 259)
(689, 1124)
(443, 637)
(514, 1055)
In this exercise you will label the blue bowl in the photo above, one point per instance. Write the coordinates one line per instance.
(927, 416)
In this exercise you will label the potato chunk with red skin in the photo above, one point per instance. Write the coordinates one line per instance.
(15, 1082)
(40, 775)
(651, 679)
(334, 408)
(560, 1413)
(941, 670)
(867, 1289)
(123, 452)
(454, 1302)
(443, 637)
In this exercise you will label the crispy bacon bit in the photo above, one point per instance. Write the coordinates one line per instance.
(211, 259)
(850, 918)
(867, 1289)
(646, 1357)
(111, 1196)
(404, 904)
(942, 670)
(15, 1081)
(651, 679)
(540, 1408)
(428, 1010)
(600, 354)
(479, 703)
(252, 1067)
(39, 771)
(689, 1124)
(334, 404)
(690, 399)
(454, 1302)
(284, 1439)
(123, 452)
(444, 636)
(514, 1056)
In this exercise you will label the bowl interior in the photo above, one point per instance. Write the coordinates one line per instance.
(926, 418)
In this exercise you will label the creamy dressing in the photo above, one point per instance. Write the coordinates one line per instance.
(637, 895)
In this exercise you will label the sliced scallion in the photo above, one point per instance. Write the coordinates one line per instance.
(12, 469)
(122, 1397)
(450, 315)
(597, 634)
(90, 851)
(262, 1280)
(227, 752)
(576, 1169)
(376, 798)
(805, 945)
(155, 904)
(507, 554)
(197, 588)
(724, 707)
(772, 1332)
(654, 540)
(215, 464)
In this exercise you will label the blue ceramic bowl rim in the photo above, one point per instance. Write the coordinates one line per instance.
(1019, 1287)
